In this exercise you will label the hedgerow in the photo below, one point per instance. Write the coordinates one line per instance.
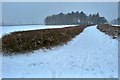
(25, 41)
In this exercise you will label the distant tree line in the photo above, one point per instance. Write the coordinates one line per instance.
(116, 21)
(74, 18)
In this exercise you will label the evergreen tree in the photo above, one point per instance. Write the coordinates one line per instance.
(74, 18)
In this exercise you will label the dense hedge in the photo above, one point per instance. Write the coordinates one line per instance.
(23, 41)
(113, 31)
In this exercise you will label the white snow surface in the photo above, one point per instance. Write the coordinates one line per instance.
(116, 25)
(9, 29)
(91, 54)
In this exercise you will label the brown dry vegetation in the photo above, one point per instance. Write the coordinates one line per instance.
(113, 31)
(24, 41)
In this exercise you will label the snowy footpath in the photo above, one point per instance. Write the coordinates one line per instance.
(91, 54)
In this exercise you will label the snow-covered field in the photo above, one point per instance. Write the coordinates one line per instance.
(115, 25)
(91, 54)
(8, 29)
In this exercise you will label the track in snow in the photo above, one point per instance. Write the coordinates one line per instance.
(92, 54)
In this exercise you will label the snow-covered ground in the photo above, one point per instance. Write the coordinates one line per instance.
(115, 25)
(91, 54)
(8, 29)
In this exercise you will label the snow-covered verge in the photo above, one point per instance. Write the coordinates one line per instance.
(92, 54)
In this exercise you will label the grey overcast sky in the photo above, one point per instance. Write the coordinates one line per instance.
(35, 12)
